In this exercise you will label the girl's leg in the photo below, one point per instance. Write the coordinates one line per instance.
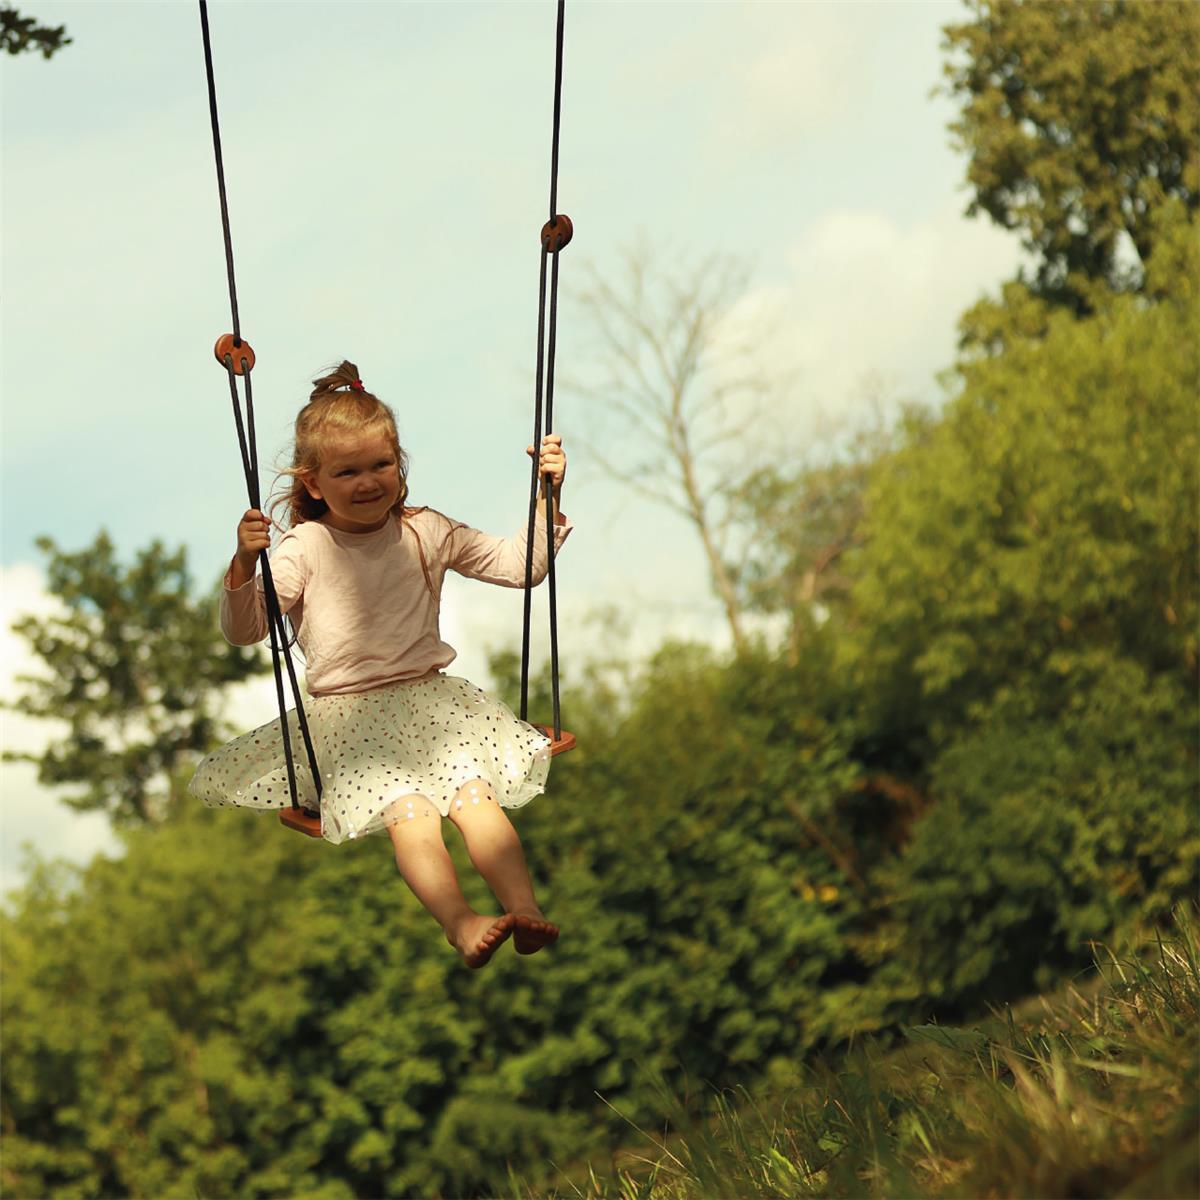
(495, 850)
(425, 864)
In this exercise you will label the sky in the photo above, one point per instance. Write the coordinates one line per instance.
(388, 170)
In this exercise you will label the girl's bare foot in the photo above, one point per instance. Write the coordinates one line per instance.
(478, 937)
(532, 931)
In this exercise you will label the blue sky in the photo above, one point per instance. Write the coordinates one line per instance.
(388, 172)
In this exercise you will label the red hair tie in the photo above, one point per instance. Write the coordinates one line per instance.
(357, 385)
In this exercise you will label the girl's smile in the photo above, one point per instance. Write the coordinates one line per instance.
(359, 479)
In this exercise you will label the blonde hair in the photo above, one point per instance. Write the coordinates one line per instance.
(336, 407)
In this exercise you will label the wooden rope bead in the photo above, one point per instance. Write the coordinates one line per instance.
(225, 346)
(557, 233)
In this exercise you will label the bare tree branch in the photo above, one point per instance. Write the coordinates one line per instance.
(668, 370)
(635, 478)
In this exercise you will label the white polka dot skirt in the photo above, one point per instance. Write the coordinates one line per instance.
(375, 750)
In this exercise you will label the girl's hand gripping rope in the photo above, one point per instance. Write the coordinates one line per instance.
(551, 461)
(253, 535)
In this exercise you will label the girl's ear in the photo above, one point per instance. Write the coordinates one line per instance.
(310, 486)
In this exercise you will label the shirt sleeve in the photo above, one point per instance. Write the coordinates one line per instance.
(501, 560)
(244, 610)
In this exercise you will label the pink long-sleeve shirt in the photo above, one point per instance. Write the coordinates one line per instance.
(363, 614)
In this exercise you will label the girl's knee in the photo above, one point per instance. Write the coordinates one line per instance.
(472, 796)
(411, 813)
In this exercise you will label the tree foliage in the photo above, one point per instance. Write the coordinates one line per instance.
(134, 669)
(286, 1019)
(1052, 826)
(1080, 119)
(1024, 618)
(1053, 509)
(804, 520)
(18, 34)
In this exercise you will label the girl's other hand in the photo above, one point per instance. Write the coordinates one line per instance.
(253, 535)
(552, 460)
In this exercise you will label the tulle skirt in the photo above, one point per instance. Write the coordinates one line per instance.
(375, 748)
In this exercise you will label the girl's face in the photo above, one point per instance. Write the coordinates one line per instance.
(359, 478)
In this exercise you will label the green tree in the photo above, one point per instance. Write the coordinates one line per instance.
(1064, 815)
(135, 668)
(1081, 118)
(1024, 631)
(239, 1011)
(804, 520)
(1051, 510)
(18, 34)
(1076, 159)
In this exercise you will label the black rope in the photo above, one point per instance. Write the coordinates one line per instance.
(549, 497)
(285, 733)
(548, 360)
(275, 618)
(216, 132)
(251, 480)
(537, 439)
(273, 610)
(249, 451)
(275, 624)
(558, 59)
(256, 499)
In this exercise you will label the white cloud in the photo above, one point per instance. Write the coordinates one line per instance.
(802, 79)
(871, 306)
(253, 702)
(885, 296)
(30, 812)
(23, 592)
(32, 815)
(865, 308)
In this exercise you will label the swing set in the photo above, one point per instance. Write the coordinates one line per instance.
(237, 357)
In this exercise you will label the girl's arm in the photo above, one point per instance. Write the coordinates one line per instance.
(501, 560)
(554, 513)
(243, 608)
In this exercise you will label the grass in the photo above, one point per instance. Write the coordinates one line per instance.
(1089, 1092)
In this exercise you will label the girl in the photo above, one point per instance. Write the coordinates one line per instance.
(399, 744)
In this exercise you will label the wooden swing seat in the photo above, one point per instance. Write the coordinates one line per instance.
(301, 820)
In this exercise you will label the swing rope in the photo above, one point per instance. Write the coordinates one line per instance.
(216, 132)
(242, 365)
(556, 233)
